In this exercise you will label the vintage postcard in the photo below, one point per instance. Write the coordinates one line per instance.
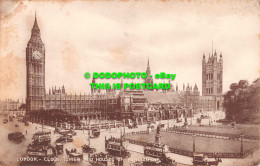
(129, 83)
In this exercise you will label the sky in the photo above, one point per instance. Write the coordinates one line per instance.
(120, 36)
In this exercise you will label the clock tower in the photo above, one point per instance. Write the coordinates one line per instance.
(35, 70)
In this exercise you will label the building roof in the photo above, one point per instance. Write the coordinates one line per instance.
(138, 111)
(161, 97)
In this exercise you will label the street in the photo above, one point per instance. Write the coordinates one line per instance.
(11, 153)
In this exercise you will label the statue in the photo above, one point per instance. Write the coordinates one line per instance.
(158, 129)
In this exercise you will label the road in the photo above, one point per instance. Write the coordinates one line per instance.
(10, 153)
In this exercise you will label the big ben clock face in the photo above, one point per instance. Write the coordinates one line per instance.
(37, 55)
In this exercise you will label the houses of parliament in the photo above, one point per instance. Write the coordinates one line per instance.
(111, 104)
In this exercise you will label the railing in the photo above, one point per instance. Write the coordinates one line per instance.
(137, 132)
(210, 134)
(190, 153)
(65, 125)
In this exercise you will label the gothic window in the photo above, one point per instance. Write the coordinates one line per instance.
(218, 76)
(40, 69)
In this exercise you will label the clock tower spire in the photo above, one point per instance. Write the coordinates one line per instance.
(35, 70)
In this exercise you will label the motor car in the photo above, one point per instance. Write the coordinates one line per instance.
(179, 120)
(88, 149)
(64, 138)
(152, 127)
(200, 159)
(74, 133)
(16, 125)
(59, 148)
(5, 120)
(95, 133)
(17, 137)
(61, 139)
(26, 123)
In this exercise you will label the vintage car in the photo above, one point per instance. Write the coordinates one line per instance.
(163, 161)
(59, 148)
(57, 130)
(5, 120)
(162, 125)
(65, 132)
(88, 149)
(17, 137)
(73, 155)
(95, 132)
(114, 146)
(10, 119)
(134, 125)
(179, 120)
(152, 126)
(26, 123)
(74, 133)
(151, 122)
(167, 161)
(200, 159)
(65, 138)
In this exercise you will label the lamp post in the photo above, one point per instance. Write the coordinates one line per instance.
(193, 137)
(242, 148)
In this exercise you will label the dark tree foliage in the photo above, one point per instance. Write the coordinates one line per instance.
(56, 115)
(22, 107)
(242, 102)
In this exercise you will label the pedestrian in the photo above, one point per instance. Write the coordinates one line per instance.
(26, 132)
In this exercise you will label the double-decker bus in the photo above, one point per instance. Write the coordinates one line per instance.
(114, 146)
(155, 150)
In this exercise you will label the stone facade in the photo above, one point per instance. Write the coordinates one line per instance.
(121, 104)
(35, 73)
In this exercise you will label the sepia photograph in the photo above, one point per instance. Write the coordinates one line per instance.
(130, 83)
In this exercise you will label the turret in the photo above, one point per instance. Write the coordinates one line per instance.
(220, 58)
(148, 72)
(63, 89)
(195, 88)
(188, 87)
(122, 84)
(171, 86)
(94, 88)
(212, 73)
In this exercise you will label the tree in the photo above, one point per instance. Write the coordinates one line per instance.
(242, 101)
(22, 107)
